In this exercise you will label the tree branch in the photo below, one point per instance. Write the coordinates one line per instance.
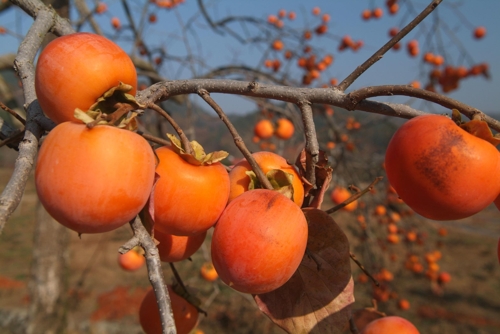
(387, 46)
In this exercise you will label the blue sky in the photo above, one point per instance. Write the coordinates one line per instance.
(394, 68)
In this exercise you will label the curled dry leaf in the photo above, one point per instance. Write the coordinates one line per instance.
(315, 301)
(199, 157)
(323, 177)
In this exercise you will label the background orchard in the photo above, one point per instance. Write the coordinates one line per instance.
(443, 276)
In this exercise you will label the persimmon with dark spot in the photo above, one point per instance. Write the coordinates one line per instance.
(441, 171)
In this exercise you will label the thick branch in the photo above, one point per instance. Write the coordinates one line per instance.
(12, 194)
(312, 145)
(387, 46)
(155, 274)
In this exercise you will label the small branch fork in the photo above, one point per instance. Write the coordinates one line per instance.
(142, 238)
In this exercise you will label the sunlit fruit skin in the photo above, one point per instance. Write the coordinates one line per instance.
(390, 325)
(74, 70)
(185, 314)
(208, 272)
(131, 260)
(174, 248)
(441, 171)
(188, 199)
(259, 241)
(267, 161)
(94, 180)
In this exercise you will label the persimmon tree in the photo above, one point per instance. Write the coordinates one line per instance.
(287, 82)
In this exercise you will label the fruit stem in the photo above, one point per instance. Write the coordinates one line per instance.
(182, 136)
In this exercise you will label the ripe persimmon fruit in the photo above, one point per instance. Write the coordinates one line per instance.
(339, 195)
(131, 260)
(285, 129)
(390, 325)
(208, 272)
(447, 173)
(74, 70)
(479, 32)
(188, 198)
(267, 161)
(259, 241)
(264, 129)
(94, 180)
(185, 314)
(174, 248)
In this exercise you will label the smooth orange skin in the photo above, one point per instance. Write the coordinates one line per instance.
(339, 195)
(208, 272)
(390, 325)
(441, 171)
(131, 261)
(173, 248)
(188, 199)
(259, 241)
(185, 314)
(74, 70)
(285, 129)
(264, 129)
(267, 161)
(94, 180)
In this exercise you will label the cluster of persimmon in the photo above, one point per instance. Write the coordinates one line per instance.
(94, 174)
(375, 13)
(412, 48)
(348, 43)
(449, 78)
(277, 20)
(312, 66)
(265, 129)
(392, 6)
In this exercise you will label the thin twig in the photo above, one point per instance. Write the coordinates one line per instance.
(12, 137)
(179, 281)
(354, 197)
(156, 140)
(13, 113)
(363, 269)
(386, 47)
(182, 136)
(203, 93)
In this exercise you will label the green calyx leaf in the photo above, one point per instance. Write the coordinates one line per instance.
(112, 108)
(280, 180)
(199, 157)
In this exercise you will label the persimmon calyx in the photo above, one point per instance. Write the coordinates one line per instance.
(112, 108)
(481, 130)
(281, 181)
(199, 157)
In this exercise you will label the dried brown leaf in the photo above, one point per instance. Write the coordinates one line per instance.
(315, 301)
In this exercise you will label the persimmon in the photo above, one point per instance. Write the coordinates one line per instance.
(339, 195)
(101, 8)
(479, 32)
(264, 129)
(316, 11)
(393, 9)
(116, 23)
(267, 161)
(447, 173)
(321, 29)
(285, 129)
(366, 14)
(131, 260)
(390, 325)
(174, 248)
(377, 13)
(94, 180)
(393, 238)
(278, 45)
(444, 277)
(208, 272)
(188, 197)
(403, 304)
(74, 70)
(380, 210)
(259, 241)
(185, 314)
